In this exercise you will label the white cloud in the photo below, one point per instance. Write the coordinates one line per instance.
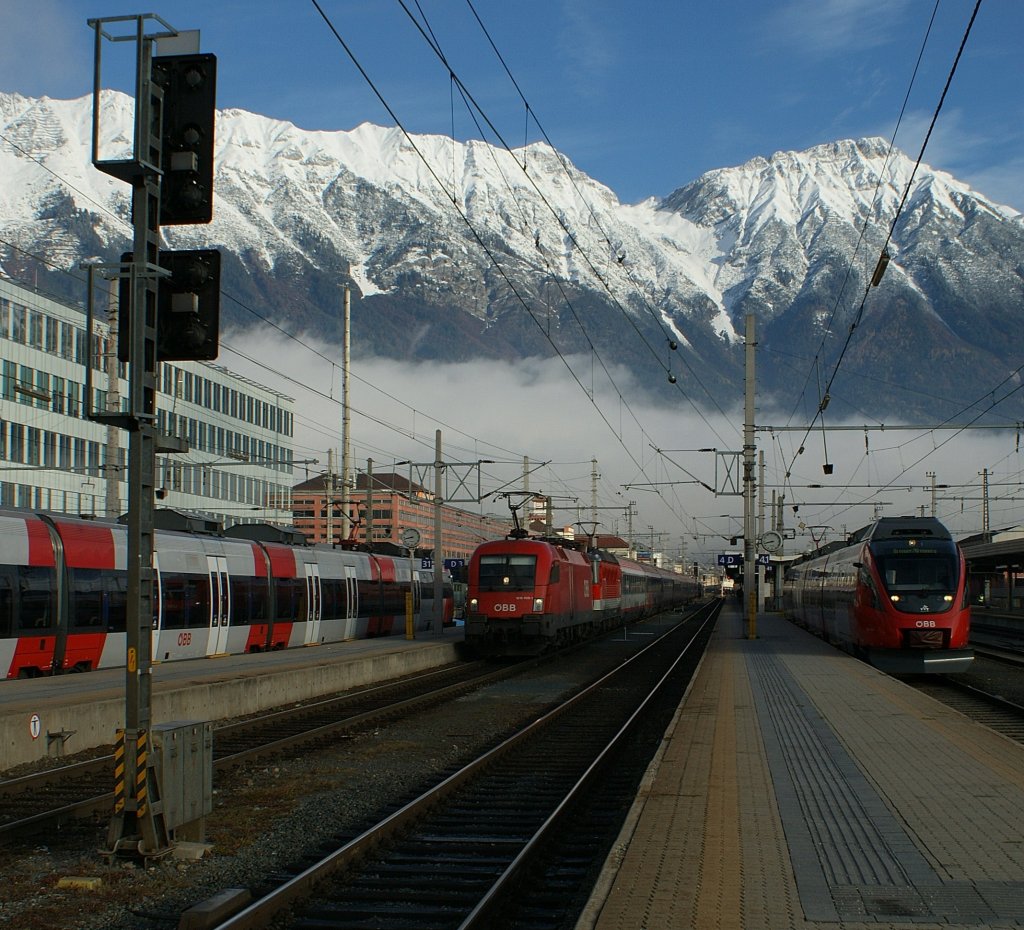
(503, 411)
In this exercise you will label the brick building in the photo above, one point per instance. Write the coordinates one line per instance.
(397, 504)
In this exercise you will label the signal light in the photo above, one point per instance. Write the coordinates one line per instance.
(188, 306)
(189, 83)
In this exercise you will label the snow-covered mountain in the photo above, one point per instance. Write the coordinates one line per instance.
(463, 250)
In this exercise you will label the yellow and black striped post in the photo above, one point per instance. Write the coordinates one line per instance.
(119, 771)
(141, 777)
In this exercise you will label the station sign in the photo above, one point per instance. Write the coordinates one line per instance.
(448, 563)
(735, 559)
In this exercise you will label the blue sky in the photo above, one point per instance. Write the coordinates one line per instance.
(644, 96)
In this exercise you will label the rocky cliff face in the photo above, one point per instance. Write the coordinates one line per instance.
(462, 251)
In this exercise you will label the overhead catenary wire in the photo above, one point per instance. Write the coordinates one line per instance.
(488, 251)
(892, 227)
(573, 238)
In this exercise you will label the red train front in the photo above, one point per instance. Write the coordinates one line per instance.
(895, 595)
(528, 594)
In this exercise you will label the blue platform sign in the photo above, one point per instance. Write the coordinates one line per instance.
(448, 563)
(735, 559)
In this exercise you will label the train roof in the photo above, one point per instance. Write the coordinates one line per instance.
(902, 527)
(267, 532)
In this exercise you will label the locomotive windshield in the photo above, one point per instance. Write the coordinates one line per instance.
(917, 575)
(507, 572)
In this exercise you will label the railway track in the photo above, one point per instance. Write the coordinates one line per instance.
(991, 710)
(516, 836)
(56, 795)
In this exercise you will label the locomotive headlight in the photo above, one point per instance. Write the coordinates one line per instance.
(894, 598)
(538, 605)
(474, 604)
(948, 598)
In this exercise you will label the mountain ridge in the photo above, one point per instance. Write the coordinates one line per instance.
(500, 254)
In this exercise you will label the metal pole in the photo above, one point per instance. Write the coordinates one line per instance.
(346, 413)
(112, 488)
(369, 502)
(329, 488)
(984, 500)
(438, 546)
(761, 593)
(749, 550)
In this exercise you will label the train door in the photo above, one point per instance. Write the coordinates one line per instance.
(314, 611)
(158, 606)
(220, 605)
(351, 600)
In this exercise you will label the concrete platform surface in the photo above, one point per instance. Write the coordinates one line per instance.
(800, 788)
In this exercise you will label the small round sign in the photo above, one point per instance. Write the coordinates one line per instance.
(35, 726)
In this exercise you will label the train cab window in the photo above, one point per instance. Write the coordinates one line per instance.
(919, 574)
(507, 572)
(555, 574)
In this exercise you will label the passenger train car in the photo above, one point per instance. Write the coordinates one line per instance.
(894, 594)
(527, 595)
(64, 593)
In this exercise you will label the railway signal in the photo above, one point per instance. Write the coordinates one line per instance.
(189, 83)
(188, 306)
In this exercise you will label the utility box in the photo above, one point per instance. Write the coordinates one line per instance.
(184, 764)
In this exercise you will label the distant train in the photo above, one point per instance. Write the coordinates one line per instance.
(895, 593)
(527, 595)
(64, 593)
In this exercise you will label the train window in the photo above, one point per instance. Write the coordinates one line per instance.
(555, 574)
(369, 598)
(98, 599)
(250, 599)
(6, 604)
(291, 594)
(928, 573)
(34, 599)
(186, 600)
(116, 596)
(507, 572)
(333, 597)
(393, 600)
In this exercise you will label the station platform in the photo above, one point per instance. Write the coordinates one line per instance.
(800, 788)
(66, 714)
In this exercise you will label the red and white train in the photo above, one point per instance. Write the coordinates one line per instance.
(894, 594)
(64, 593)
(526, 595)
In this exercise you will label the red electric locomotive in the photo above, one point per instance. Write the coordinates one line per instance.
(526, 595)
(894, 594)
